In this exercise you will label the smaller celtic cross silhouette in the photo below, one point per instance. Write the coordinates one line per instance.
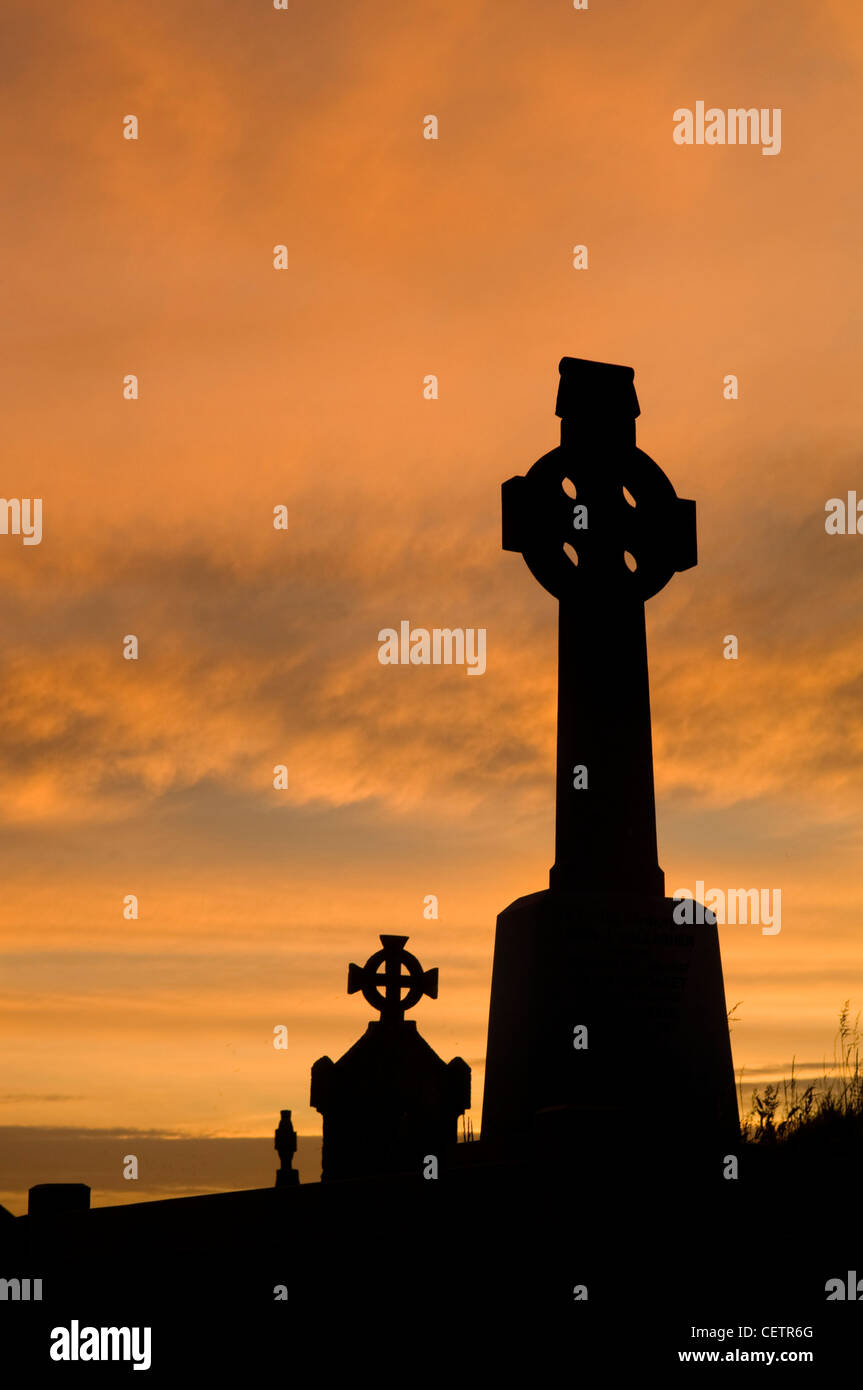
(394, 958)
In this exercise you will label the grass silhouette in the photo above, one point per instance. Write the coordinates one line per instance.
(825, 1114)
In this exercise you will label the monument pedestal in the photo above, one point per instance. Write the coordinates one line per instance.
(607, 1019)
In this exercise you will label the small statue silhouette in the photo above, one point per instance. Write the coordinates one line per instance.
(286, 1147)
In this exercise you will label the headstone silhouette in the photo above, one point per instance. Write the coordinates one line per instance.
(605, 1014)
(390, 1101)
(47, 1199)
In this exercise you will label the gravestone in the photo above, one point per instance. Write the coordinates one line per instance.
(606, 1017)
(390, 1101)
(47, 1199)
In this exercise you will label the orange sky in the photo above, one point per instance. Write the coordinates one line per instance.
(304, 387)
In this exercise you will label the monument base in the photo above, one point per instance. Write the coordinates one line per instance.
(607, 1022)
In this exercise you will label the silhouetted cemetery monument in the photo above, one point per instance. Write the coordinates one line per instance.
(593, 972)
(607, 1036)
(390, 1104)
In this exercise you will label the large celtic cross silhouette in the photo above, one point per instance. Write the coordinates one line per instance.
(602, 529)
